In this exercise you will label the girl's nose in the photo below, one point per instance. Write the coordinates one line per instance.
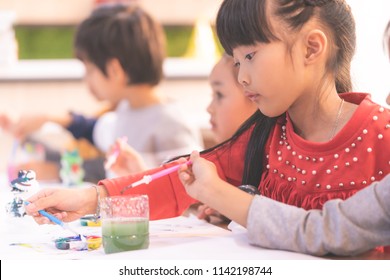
(210, 107)
(242, 78)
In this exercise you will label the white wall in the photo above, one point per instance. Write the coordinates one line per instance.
(371, 65)
(73, 11)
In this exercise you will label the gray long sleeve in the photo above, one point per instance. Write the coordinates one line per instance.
(350, 227)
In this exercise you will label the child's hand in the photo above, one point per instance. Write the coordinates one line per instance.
(64, 203)
(201, 181)
(5, 123)
(209, 214)
(128, 160)
(199, 177)
(27, 125)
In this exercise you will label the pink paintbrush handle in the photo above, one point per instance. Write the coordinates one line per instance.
(114, 155)
(167, 171)
(149, 178)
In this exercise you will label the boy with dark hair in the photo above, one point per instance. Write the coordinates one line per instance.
(123, 50)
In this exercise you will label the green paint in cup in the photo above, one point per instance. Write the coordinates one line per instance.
(125, 223)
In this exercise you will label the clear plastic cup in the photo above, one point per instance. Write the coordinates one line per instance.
(125, 223)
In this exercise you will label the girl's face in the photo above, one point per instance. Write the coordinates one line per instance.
(229, 107)
(102, 87)
(269, 76)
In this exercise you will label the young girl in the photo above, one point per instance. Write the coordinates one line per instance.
(307, 144)
(123, 50)
(229, 108)
(339, 228)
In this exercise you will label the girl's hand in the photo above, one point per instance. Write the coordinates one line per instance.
(128, 161)
(199, 177)
(210, 215)
(202, 182)
(66, 204)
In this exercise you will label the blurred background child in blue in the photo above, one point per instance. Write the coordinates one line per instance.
(123, 50)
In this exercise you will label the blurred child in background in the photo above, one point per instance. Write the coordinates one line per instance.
(123, 50)
(228, 109)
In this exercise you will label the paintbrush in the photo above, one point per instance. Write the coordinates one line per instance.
(57, 221)
(149, 178)
(111, 159)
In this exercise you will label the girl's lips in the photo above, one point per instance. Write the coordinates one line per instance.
(251, 95)
(212, 123)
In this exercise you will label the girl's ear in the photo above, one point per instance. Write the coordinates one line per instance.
(315, 45)
(115, 71)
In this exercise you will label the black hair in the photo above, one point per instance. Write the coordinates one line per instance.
(245, 22)
(127, 33)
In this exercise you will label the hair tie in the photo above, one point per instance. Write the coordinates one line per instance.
(316, 3)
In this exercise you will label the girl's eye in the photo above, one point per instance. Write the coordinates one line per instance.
(236, 64)
(250, 56)
(219, 95)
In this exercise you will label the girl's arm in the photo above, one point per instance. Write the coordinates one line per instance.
(167, 196)
(350, 227)
(202, 182)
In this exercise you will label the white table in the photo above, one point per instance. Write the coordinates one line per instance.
(176, 238)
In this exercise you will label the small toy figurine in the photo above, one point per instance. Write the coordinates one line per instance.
(15, 208)
(25, 181)
(22, 187)
(72, 172)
